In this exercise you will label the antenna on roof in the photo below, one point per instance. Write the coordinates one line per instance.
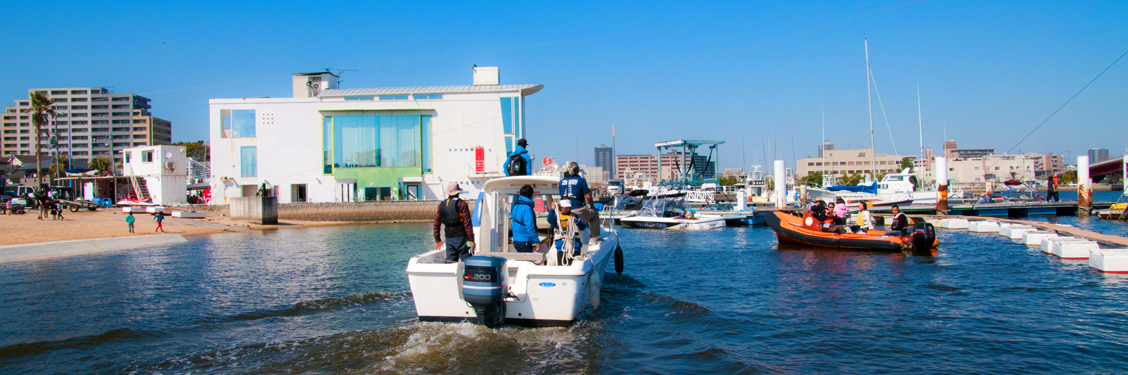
(338, 73)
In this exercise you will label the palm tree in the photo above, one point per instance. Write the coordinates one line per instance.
(40, 108)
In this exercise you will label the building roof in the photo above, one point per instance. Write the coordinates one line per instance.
(524, 89)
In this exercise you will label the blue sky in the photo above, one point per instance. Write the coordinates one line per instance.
(742, 70)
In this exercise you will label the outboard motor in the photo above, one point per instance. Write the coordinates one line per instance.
(483, 287)
(924, 235)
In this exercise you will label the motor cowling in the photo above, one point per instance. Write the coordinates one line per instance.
(924, 235)
(484, 288)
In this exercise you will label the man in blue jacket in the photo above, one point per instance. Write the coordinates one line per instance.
(519, 163)
(525, 237)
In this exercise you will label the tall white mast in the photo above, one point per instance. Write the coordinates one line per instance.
(822, 148)
(869, 96)
(920, 120)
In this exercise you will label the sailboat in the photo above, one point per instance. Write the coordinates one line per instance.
(894, 188)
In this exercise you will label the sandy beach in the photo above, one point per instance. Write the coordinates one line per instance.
(110, 223)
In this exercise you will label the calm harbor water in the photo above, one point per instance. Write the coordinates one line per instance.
(336, 300)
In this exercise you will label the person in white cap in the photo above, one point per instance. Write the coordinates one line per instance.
(574, 188)
(455, 214)
(566, 225)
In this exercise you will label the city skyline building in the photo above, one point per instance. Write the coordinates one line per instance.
(1097, 155)
(605, 158)
(89, 122)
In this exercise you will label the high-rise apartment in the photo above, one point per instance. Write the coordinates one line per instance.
(89, 122)
(605, 158)
(1097, 155)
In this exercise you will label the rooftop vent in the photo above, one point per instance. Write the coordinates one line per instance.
(485, 75)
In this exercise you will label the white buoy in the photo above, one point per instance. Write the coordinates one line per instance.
(1035, 238)
(1076, 249)
(954, 223)
(1017, 233)
(1006, 230)
(1109, 260)
(1049, 243)
(983, 226)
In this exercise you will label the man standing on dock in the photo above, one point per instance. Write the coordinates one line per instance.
(455, 214)
(1051, 189)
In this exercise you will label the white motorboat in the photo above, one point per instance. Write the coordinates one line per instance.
(667, 212)
(532, 289)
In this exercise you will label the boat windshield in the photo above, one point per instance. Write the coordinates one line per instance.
(663, 207)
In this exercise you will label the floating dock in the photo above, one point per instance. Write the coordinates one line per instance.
(1105, 253)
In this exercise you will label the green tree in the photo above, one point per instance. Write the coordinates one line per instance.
(101, 163)
(727, 181)
(197, 150)
(40, 108)
(1069, 177)
(812, 179)
(59, 165)
(907, 162)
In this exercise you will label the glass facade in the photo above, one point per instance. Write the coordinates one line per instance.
(512, 120)
(238, 123)
(378, 141)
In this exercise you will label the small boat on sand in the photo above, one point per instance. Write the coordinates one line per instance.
(805, 231)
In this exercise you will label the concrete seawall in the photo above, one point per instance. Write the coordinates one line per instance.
(60, 249)
(388, 211)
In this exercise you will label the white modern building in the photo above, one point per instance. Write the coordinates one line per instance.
(327, 144)
(161, 173)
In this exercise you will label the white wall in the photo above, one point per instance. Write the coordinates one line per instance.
(167, 186)
(289, 142)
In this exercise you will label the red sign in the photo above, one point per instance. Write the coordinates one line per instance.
(479, 159)
(547, 160)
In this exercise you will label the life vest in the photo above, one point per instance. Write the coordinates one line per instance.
(562, 224)
(448, 212)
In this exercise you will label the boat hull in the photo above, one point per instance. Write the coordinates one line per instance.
(789, 229)
(543, 295)
(704, 222)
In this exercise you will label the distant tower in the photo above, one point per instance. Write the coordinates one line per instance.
(826, 146)
(949, 146)
(605, 158)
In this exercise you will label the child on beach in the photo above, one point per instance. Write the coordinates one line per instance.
(129, 220)
(159, 217)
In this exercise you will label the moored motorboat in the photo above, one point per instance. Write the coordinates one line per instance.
(804, 231)
(669, 212)
(501, 286)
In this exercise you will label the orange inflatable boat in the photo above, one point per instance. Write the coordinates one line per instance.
(805, 231)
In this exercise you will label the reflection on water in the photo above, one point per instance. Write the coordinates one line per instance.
(335, 300)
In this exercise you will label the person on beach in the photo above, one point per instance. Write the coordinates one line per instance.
(566, 225)
(1052, 188)
(59, 207)
(900, 224)
(159, 217)
(524, 226)
(40, 199)
(454, 213)
(129, 220)
(574, 188)
(865, 219)
(519, 163)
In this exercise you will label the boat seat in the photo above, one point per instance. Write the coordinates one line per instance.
(536, 258)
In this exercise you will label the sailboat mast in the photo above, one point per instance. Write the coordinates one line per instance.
(869, 96)
(822, 147)
(920, 124)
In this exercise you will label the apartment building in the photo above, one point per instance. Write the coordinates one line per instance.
(848, 162)
(89, 122)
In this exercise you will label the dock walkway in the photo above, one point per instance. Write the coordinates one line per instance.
(1105, 239)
